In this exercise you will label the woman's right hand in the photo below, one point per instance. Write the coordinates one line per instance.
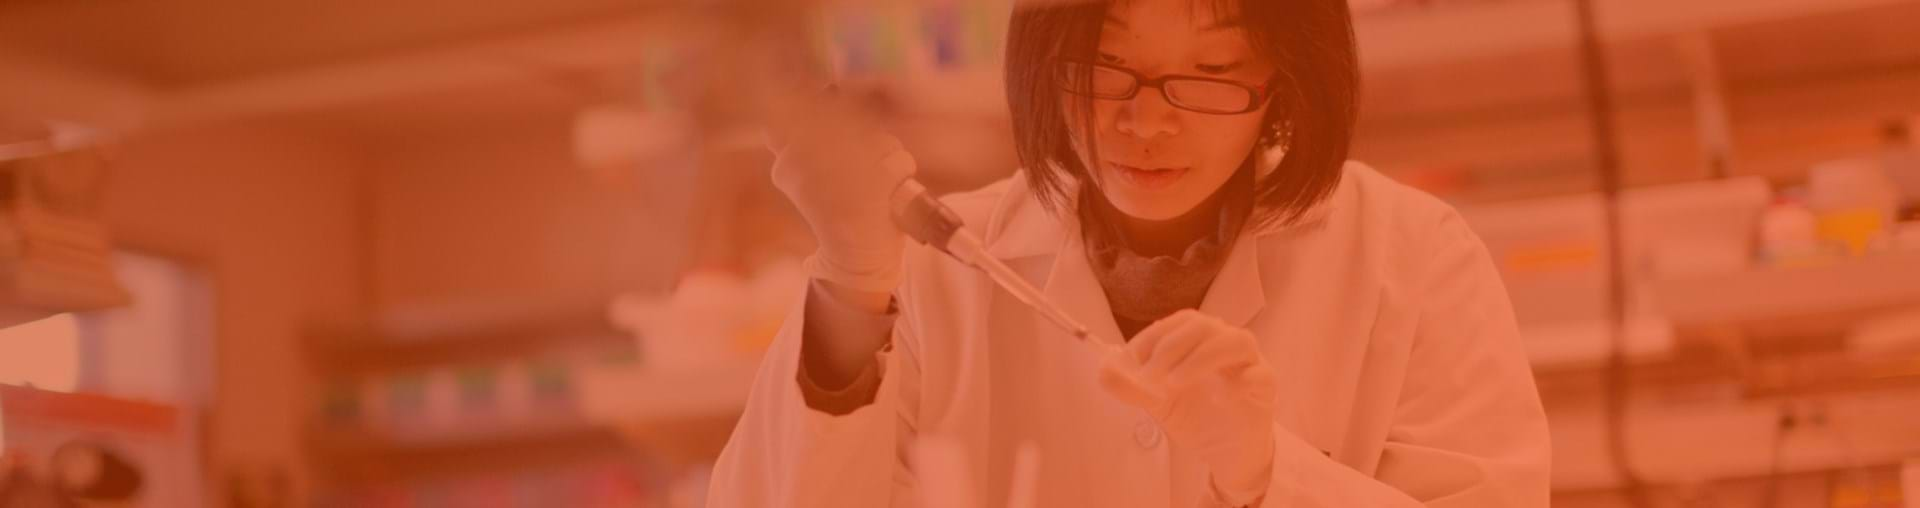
(839, 170)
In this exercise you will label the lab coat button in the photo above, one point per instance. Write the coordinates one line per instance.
(1146, 434)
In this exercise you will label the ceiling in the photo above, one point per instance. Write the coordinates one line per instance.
(391, 72)
(173, 45)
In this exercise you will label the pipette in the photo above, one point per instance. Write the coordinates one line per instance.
(924, 219)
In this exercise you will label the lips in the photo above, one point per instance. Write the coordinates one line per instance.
(1148, 177)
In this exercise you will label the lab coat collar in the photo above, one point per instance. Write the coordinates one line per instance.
(1020, 227)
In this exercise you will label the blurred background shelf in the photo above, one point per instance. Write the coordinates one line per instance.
(462, 390)
(367, 455)
(1824, 299)
(1586, 344)
(685, 415)
(364, 347)
(1678, 439)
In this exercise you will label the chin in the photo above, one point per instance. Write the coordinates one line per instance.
(1152, 209)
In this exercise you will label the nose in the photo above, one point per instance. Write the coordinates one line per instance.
(1148, 115)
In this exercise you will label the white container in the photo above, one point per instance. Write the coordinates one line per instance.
(1906, 236)
(1850, 183)
(1838, 191)
(1788, 233)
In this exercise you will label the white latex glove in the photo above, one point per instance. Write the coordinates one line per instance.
(839, 170)
(1207, 384)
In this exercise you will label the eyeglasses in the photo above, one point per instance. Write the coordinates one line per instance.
(1192, 93)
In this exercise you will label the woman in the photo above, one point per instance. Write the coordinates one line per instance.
(1298, 330)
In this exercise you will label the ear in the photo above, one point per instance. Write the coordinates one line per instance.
(1271, 149)
(1267, 160)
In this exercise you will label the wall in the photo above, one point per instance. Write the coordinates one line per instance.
(509, 218)
(275, 218)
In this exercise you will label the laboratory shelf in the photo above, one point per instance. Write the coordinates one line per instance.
(366, 347)
(360, 455)
(682, 415)
(1796, 301)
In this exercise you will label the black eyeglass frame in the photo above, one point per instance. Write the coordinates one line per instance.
(1257, 94)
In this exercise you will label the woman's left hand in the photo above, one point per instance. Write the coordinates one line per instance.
(1207, 384)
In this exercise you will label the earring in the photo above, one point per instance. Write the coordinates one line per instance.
(1273, 136)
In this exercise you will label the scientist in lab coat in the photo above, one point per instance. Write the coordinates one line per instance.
(1299, 331)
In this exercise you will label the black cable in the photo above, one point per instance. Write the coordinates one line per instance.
(1607, 148)
(1770, 496)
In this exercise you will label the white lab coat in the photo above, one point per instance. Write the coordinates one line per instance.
(1402, 379)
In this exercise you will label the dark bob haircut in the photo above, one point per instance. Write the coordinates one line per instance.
(1310, 43)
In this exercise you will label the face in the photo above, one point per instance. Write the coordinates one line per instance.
(1157, 161)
